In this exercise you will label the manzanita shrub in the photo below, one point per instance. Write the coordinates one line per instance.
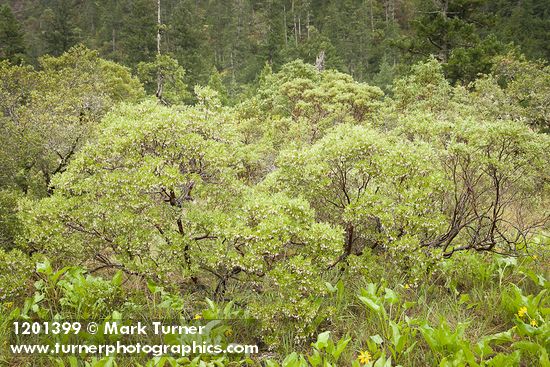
(355, 228)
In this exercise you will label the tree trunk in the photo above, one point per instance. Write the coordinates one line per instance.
(114, 40)
(307, 25)
(160, 78)
(320, 61)
(295, 27)
(158, 27)
(349, 240)
(284, 25)
(371, 17)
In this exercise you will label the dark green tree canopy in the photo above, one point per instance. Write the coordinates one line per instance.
(373, 41)
(12, 46)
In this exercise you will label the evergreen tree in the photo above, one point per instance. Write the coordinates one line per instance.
(60, 32)
(452, 31)
(237, 37)
(139, 31)
(11, 36)
(187, 38)
(216, 84)
(526, 23)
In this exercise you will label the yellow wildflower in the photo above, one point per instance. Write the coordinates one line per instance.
(197, 317)
(522, 311)
(228, 332)
(534, 323)
(364, 357)
(8, 304)
(406, 286)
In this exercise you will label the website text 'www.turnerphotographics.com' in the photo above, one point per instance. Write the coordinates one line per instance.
(125, 349)
(155, 338)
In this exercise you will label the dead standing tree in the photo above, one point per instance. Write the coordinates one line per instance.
(320, 61)
(160, 76)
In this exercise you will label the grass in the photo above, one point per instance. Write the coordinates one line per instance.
(469, 289)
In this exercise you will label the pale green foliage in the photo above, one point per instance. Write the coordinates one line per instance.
(106, 77)
(158, 194)
(14, 274)
(145, 156)
(296, 107)
(17, 83)
(527, 86)
(164, 77)
(49, 113)
(380, 190)
(312, 182)
(402, 332)
(9, 225)
(425, 88)
(276, 238)
(506, 166)
(307, 102)
(216, 83)
(517, 89)
(489, 100)
(46, 115)
(495, 167)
